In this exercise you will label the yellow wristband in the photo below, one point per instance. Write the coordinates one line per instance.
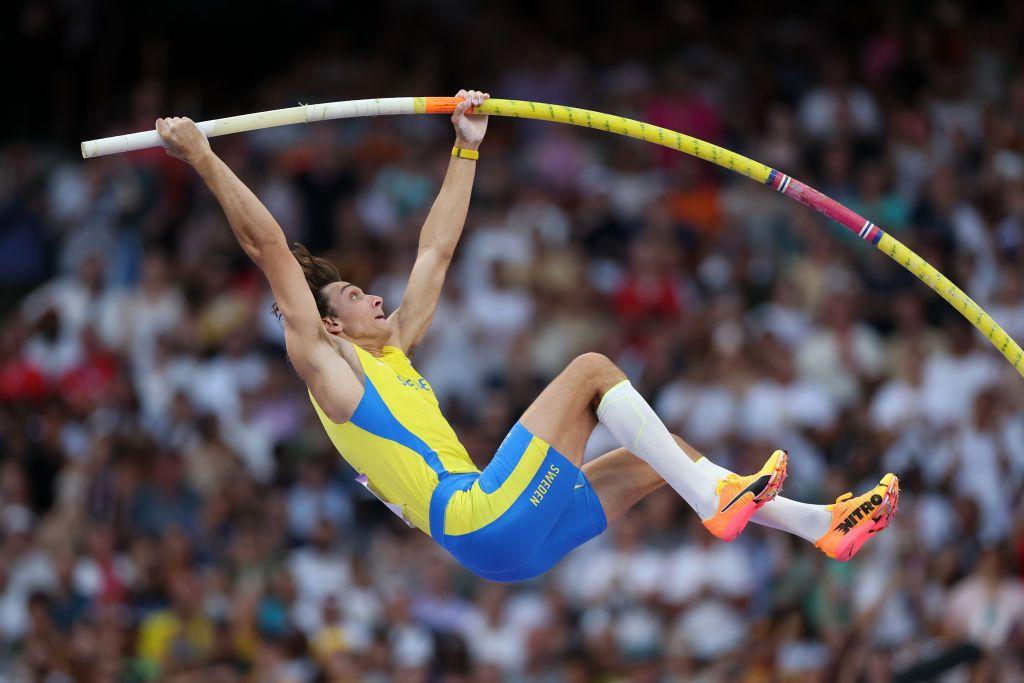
(461, 153)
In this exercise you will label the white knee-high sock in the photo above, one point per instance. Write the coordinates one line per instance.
(807, 521)
(636, 426)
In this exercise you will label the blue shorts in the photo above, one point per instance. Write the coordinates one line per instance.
(520, 516)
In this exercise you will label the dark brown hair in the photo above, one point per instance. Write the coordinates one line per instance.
(319, 273)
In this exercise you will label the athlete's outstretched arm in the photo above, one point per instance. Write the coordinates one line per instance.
(311, 350)
(442, 229)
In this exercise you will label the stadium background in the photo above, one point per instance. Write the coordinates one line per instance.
(169, 508)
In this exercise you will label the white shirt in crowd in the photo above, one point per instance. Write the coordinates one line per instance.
(705, 414)
(987, 614)
(317, 575)
(951, 383)
(769, 408)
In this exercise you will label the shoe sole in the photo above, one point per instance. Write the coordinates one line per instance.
(749, 509)
(860, 535)
(778, 478)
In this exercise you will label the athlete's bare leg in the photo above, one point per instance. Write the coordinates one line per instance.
(563, 414)
(591, 390)
(621, 480)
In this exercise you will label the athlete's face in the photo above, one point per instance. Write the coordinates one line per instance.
(357, 315)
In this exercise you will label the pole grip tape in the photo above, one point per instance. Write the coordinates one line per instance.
(440, 105)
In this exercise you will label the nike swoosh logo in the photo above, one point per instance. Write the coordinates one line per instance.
(579, 486)
(755, 487)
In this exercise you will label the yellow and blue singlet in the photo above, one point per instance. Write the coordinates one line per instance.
(527, 509)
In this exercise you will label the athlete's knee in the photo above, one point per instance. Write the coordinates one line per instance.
(597, 370)
(592, 363)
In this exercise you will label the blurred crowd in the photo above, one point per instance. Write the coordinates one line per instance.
(171, 510)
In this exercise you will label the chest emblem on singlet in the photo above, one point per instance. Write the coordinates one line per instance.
(417, 384)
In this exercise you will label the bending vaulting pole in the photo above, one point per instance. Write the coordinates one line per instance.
(557, 113)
